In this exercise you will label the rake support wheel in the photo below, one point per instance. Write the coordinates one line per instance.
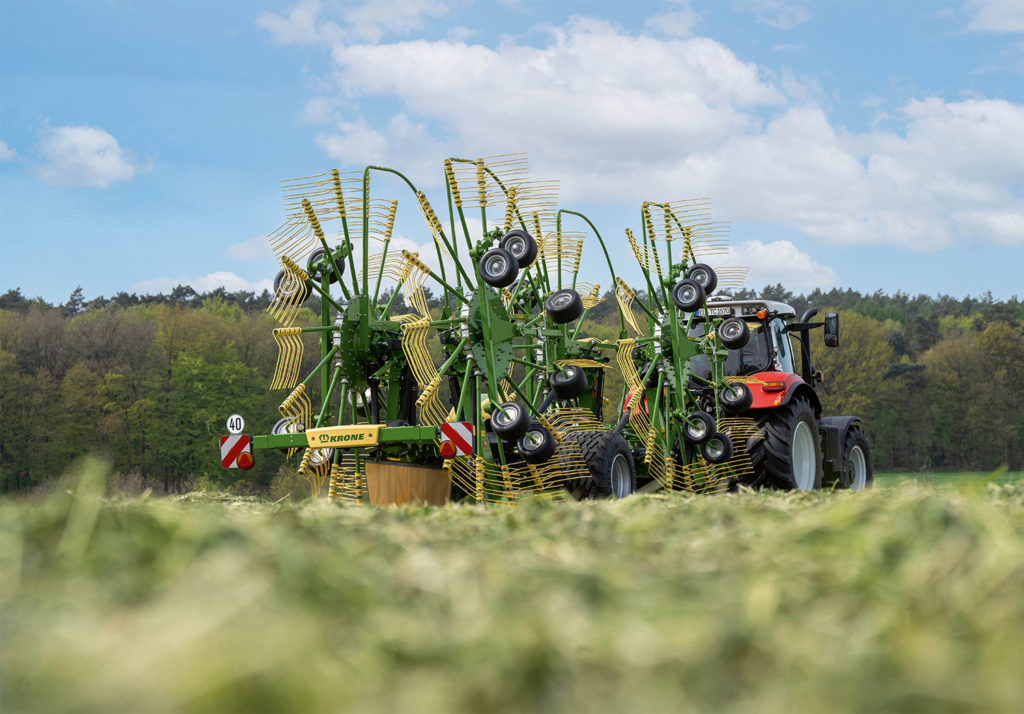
(564, 306)
(521, 245)
(568, 383)
(537, 445)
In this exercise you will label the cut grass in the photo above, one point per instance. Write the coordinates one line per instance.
(898, 599)
(887, 479)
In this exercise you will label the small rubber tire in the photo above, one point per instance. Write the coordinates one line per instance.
(498, 268)
(303, 289)
(610, 463)
(701, 430)
(735, 397)
(704, 275)
(569, 382)
(313, 268)
(512, 424)
(858, 469)
(734, 333)
(536, 445)
(717, 449)
(564, 306)
(521, 245)
(688, 295)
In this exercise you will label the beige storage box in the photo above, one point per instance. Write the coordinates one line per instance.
(393, 483)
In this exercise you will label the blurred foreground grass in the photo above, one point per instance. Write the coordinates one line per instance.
(901, 599)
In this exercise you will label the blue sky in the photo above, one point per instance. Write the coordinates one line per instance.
(869, 145)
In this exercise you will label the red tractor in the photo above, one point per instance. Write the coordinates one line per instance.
(795, 447)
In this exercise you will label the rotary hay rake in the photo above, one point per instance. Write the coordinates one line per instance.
(509, 361)
(507, 351)
(682, 412)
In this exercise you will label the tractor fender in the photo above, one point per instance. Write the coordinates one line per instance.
(833, 432)
(773, 389)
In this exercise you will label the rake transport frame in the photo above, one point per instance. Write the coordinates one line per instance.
(512, 369)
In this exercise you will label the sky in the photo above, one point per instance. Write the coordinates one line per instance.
(864, 145)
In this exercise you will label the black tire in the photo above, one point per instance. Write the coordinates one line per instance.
(302, 289)
(858, 468)
(734, 333)
(717, 449)
(498, 268)
(564, 306)
(513, 423)
(688, 295)
(398, 422)
(521, 245)
(314, 269)
(701, 429)
(610, 462)
(568, 383)
(704, 275)
(789, 454)
(735, 397)
(536, 445)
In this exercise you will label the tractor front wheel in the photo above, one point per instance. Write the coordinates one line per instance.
(786, 454)
(858, 472)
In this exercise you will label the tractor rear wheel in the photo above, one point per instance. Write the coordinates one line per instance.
(789, 454)
(610, 462)
(858, 472)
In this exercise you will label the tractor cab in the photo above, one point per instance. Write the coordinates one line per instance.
(770, 349)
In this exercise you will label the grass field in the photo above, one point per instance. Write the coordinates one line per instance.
(906, 598)
(888, 479)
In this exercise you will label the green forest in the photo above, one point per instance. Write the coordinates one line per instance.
(148, 381)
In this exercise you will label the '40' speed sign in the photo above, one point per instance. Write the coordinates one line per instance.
(235, 424)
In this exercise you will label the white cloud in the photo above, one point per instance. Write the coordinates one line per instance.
(206, 283)
(368, 22)
(7, 153)
(678, 22)
(779, 262)
(84, 156)
(1001, 16)
(619, 117)
(255, 248)
(780, 14)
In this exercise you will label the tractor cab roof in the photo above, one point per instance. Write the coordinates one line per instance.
(744, 308)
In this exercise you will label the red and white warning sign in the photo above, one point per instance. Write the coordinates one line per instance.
(460, 433)
(236, 451)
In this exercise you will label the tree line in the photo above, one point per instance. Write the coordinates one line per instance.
(149, 380)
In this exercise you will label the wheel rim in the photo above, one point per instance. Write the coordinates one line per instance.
(802, 457)
(731, 331)
(858, 469)
(566, 375)
(496, 266)
(700, 276)
(686, 294)
(502, 420)
(698, 430)
(516, 246)
(560, 300)
(733, 395)
(620, 477)
(533, 440)
(715, 449)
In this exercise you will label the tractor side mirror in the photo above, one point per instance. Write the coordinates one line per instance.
(831, 329)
